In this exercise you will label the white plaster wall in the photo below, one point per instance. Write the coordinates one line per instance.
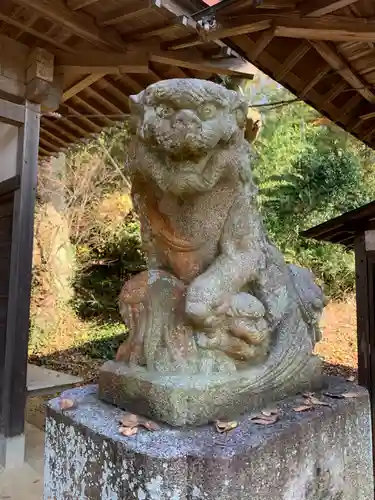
(8, 151)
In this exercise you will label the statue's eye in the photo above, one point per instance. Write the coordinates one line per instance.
(207, 111)
(164, 111)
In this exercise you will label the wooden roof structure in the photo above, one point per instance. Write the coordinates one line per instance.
(345, 228)
(103, 51)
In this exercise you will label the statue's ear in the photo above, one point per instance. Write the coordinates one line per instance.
(135, 102)
(241, 115)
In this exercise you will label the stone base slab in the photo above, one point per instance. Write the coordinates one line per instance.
(322, 454)
(181, 400)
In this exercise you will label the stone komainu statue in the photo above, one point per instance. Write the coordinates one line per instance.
(218, 296)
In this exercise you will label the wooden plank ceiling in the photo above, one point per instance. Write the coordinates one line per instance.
(322, 50)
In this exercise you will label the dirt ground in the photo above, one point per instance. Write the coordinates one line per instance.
(338, 347)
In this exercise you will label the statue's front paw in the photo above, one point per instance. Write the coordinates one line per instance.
(197, 312)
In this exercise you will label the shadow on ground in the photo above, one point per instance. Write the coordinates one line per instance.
(86, 359)
(340, 370)
(83, 360)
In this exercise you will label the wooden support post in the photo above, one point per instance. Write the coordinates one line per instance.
(15, 285)
(365, 297)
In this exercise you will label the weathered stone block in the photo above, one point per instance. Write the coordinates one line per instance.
(323, 454)
(182, 400)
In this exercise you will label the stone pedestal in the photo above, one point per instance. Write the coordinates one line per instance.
(321, 454)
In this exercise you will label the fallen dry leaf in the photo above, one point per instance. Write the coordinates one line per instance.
(128, 431)
(223, 426)
(303, 408)
(149, 425)
(129, 420)
(333, 395)
(263, 419)
(316, 402)
(308, 394)
(269, 412)
(353, 394)
(66, 404)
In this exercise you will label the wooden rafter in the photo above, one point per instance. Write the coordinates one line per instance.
(292, 60)
(191, 40)
(70, 110)
(101, 62)
(55, 138)
(112, 89)
(348, 108)
(191, 60)
(262, 43)
(128, 12)
(328, 28)
(241, 25)
(315, 80)
(131, 83)
(78, 23)
(110, 106)
(335, 91)
(49, 144)
(77, 87)
(317, 8)
(79, 4)
(53, 124)
(329, 54)
(161, 29)
(29, 29)
(92, 110)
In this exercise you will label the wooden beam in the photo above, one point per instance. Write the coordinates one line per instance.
(112, 108)
(311, 83)
(131, 83)
(59, 129)
(88, 123)
(79, 4)
(128, 12)
(262, 43)
(37, 34)
(333, 93)
(78, 23)
(191, 60)
(161, 29)
(183, 43)
(241, 25)
(292, 60)
(54, 137)
(49, 144)
(11, 113)
(317, 8)
(77, 87)
(367, 116)
(353, 102)
(338, 64)
(328, 28)
(229, 7)
(94, 111)
(43, 152)
(116, 92)
(94, 62)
